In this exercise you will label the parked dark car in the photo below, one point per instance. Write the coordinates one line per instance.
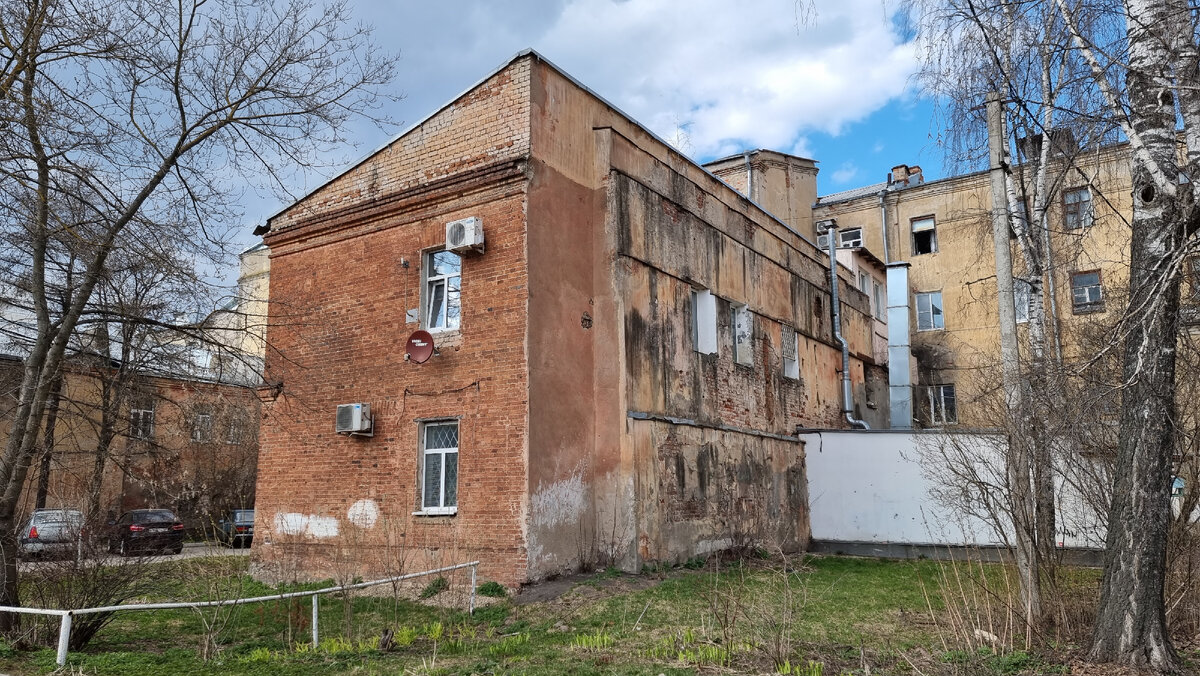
(146, 530)
(238, 529)
(49, 532)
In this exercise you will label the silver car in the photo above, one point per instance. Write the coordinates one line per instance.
(52, 532)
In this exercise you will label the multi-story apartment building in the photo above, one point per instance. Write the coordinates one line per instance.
(942, 229)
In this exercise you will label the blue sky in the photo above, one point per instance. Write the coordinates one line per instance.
(827, 79)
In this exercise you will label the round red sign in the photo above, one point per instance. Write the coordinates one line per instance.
(419, 347)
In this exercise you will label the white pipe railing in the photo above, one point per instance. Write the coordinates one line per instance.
(64, 630)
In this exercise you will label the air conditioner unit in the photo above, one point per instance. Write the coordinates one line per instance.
(465, 235)
(354, 419)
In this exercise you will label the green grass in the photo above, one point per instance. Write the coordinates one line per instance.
(843, 611)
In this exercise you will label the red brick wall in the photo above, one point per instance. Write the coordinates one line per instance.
(337, 335)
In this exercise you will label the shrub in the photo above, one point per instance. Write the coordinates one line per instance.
(493, 589)
(439, 585)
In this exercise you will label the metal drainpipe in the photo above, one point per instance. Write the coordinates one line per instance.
(847, 392)
(887, 255)
(749, 176)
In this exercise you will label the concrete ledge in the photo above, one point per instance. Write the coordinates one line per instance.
(1089, 558)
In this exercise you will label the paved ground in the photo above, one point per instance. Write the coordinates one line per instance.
(190, 550)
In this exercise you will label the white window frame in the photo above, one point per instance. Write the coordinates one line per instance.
(235, 431)
(741, 325)
(429, 282)
(924, 224)
(934, 317)
(791, 352)
(879, 299)
(441, 508)
(202, 428)
(704, 321)
(935, 398)
(1077, 213)
(1021, 298)
(141, 422)
(850, 238)
(1087, 305)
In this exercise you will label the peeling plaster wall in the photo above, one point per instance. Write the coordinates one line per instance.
(702, 490)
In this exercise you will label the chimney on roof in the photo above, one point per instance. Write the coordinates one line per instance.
(903, 175)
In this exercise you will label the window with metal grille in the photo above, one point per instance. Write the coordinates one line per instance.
(443, 298)
(1077, 208)
(439, 467)
(929, 311)
(1086, 293)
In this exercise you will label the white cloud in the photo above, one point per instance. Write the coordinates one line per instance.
(845, 173)
(734, 74)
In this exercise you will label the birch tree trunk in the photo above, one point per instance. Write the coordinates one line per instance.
(1131, 625)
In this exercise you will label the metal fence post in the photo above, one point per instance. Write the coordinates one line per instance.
(471, 607)
(64, 638)
(314, 620)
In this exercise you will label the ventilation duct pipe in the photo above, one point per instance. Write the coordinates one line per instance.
(830, 228)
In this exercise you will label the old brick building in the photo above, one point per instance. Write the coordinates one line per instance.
(619, 371)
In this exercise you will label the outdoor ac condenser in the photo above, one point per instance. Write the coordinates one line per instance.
(465, 235)
(354, 419)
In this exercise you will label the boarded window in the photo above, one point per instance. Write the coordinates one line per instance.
(851, 238)
(742, 323)
(791, 352)
(704, 322)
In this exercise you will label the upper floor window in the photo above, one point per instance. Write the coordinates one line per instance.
(880, 301)
(929, 311)
(1021, 298)
(851, 237)
(924, 235)
(1077, 208)
(1193, 278)
(443, 283)
(1086, 293)
(141, 421)
(742, 324)
(202, 427)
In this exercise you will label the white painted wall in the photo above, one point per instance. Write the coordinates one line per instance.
(880, 487)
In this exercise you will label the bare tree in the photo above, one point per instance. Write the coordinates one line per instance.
(1129, 68)
(139, 116)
